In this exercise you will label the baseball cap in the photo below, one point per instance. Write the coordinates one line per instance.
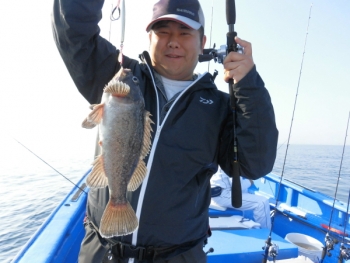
(186, 12)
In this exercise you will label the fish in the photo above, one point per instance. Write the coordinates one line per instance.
(125, 140)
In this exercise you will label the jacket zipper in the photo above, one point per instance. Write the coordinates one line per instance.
(151, 154)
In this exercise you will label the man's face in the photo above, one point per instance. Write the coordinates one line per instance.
(174, 49)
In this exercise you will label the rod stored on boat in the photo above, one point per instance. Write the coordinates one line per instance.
(270, 249)
(329, 241)
(345, 251)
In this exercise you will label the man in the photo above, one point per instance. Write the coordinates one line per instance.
(259, 204)
(190, 138)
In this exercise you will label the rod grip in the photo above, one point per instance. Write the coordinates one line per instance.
(230, 12)
(231, 42)
(236, 191)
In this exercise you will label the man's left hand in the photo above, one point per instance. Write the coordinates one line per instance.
(237, 65)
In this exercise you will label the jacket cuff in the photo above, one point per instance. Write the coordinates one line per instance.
(252, 79)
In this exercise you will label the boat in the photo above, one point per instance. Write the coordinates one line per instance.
(299, 211)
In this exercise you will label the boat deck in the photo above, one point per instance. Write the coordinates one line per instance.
(240, 245)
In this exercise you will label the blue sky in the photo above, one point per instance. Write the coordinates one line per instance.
(40, 102)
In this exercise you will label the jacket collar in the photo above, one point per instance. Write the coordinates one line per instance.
(146, 60)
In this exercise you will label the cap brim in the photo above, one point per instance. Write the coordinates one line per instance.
(177, 18)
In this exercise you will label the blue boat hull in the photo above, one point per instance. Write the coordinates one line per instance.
(299, 210)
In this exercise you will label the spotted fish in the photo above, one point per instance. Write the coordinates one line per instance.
(125, 140)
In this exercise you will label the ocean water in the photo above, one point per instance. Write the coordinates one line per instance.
(30, 189)
(317, 167)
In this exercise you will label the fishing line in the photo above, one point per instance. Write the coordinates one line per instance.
(110, 23)
(49, 165)
(281, 145)
(117, 7)
(329, 242)
(121, 10)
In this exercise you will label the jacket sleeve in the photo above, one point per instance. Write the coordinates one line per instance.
(256, 130)
(90, 59)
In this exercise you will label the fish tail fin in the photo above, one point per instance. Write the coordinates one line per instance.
(118, 220)
(95, 116)
(138, 176)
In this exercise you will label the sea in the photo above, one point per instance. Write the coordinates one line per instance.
(32, 185)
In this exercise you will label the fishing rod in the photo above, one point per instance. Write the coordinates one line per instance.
(329, 241)
(49, 165)
(344, 251)
(272, 249)
(219, 55)
(211, 27)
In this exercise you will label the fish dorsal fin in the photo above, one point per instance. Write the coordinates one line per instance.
(95, 116)
(97, 177)
(138, 176)
(117, 88)
(141, 170)
(146, 146)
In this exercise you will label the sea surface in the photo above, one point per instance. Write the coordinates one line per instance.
(30, 189)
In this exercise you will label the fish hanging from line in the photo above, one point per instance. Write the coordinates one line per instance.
(125, 140)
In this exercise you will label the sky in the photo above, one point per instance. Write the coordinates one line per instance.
(41, 106)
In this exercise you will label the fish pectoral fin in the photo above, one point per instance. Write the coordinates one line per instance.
(146, 144)
(95, 116)
(138, 176)
(97, 177)
(141, 169)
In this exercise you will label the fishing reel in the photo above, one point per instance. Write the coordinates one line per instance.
(329, 245)
(344, 253)
(218, 55)
(271, 250)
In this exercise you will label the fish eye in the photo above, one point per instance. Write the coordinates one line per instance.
(135, 80)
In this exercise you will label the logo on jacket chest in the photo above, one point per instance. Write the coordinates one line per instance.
(205, 101)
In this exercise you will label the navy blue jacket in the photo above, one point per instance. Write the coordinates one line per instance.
(194, 137)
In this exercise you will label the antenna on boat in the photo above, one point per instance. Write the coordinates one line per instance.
(49, 165)
(329, 242)
(272, 249)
